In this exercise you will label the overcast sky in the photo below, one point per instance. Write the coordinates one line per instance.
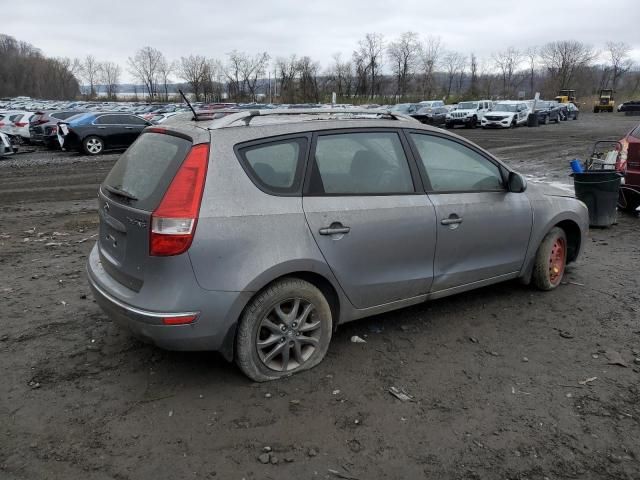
(114, 29)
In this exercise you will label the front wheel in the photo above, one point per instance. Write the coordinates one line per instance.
(551, 260)
(93, 145)
(284, 330)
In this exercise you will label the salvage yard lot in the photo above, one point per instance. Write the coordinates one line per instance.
(506, 381)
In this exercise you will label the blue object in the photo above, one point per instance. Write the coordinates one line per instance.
(576, 166)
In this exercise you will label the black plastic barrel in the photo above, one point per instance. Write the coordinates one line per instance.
(599, 191)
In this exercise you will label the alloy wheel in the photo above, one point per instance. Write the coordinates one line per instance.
(94, 145)
(288, 335)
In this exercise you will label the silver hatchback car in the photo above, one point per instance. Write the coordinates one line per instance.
(258, 233)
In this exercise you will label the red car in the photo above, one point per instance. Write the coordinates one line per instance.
(630, 191)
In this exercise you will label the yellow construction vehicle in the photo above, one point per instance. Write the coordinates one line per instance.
(566, 96)
(605, 102)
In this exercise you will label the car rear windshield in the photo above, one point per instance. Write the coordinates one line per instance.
(63, 115)
(143, 173)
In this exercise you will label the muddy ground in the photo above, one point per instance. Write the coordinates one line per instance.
(507, 382)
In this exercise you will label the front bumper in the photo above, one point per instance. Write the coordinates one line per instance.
(214, 328)
(504, 123)
(459, 121)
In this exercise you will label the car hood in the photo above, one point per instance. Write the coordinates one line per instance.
(553, 189)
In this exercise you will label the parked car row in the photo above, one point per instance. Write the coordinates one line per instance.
(93, 127)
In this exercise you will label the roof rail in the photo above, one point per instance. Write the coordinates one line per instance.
(246, 116)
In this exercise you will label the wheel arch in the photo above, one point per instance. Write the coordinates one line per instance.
(331, 291)
(574, 234)
(574, 238)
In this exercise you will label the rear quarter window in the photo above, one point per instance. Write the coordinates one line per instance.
(275, 167)
(146, 169)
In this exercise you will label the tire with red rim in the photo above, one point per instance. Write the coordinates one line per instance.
(551, 260)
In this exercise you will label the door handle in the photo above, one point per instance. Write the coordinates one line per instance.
(129, 128)
(334, 229)
(101, 128)
(452, 220)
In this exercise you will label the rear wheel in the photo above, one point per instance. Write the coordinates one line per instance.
(93, 145)
(285, 329)
(546, 120)
(551, 260)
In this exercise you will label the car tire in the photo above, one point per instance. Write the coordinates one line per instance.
(514, 124)
(546, 120)
(551, 260)
(278, 316)
(93, 145)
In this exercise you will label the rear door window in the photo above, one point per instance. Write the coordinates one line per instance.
(275, 167)
(145, 170)
(368, 163)
(107, 120)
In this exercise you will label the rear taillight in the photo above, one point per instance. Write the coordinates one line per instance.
(173, 223)
(21, 124)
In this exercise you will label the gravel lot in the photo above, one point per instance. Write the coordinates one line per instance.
(507, 382)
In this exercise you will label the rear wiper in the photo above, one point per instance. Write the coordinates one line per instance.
(120, 192)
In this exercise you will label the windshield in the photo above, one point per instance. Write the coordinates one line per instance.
(402, 107)
(145, 170)
(467, 105)
(505, 107)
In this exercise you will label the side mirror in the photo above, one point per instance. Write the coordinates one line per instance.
(516, 183)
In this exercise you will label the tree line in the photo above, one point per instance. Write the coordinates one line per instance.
(405, 68)
(25, 71)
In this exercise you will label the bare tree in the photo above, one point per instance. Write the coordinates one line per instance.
(453, 63)
(192, 69)
(531, 55)
(341, 76)
(563, 59)
(286, 72)
(403, 54)
(90, 72)
(370, 52)
(430, 54)
(144, 66)
(252, 69)
(308, 82)
(473, 83)
(165, 70)
(620, 62)
(508, 62)
(109, 75)
(243, 72)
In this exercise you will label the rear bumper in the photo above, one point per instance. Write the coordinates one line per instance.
(214, 328)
